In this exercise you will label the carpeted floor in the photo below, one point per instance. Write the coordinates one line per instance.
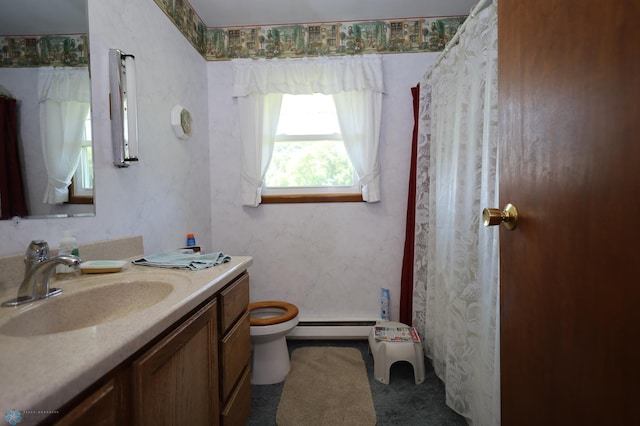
(401, 402)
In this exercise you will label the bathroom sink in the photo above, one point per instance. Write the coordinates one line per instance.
(87, 307)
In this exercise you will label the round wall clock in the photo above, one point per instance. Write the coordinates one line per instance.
(181, 122)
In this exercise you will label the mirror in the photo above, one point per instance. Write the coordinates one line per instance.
(44, 50)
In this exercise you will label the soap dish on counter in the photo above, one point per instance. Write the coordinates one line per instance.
(102, 266)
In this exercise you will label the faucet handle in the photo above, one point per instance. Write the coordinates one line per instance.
(38, 250)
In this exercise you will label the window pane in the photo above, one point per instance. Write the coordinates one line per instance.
(83, 176)
(87, 167)
(316, 163)
(87, 128)
(308, 115)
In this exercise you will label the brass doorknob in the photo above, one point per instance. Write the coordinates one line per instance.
(508, 216)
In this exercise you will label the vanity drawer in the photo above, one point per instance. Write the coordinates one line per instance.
(236, 351)
(234, 301)
(236, 412)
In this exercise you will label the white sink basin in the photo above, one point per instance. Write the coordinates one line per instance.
(86, 307)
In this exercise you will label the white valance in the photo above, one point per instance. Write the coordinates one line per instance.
(62, 84)
(299, 76)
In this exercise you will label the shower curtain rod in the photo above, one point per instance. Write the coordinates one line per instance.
(454, 40)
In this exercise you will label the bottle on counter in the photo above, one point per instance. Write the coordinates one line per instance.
(191, 240)
(68, 245)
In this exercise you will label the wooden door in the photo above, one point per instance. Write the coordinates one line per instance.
(569, 96)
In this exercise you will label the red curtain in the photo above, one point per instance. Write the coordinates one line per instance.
(12, 200)
(406, 283)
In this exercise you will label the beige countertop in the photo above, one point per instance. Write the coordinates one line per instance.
(44, 372)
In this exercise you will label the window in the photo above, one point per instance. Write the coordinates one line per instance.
(353, 83)
(309, 156)
(81, 188)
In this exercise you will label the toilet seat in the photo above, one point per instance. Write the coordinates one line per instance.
(291, 311)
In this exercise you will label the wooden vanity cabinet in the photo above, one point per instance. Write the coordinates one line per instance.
(198, 374)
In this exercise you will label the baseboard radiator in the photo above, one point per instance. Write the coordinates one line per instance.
(332, 330)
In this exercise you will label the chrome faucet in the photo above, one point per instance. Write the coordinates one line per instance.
(37, 274)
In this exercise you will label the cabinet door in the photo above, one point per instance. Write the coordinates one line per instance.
(105, 407)
(176, 381)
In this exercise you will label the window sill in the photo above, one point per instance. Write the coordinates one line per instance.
(311, 198)
(78, 199)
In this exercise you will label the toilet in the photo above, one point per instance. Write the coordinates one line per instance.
(271, 321)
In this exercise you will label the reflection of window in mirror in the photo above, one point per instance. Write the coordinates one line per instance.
(81, 188)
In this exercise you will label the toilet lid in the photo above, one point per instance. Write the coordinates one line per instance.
(290, 309)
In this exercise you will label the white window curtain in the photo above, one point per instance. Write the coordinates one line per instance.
(258, 136)
(456, 274)
(64, 96)
(359, 117)
(356, 84)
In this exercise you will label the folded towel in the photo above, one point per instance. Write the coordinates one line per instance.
(178, 260)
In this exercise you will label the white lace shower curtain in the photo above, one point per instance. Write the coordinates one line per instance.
(456, 273)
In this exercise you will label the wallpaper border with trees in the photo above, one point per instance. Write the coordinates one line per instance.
(69, 50)
(272, 41)
(314, 39)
